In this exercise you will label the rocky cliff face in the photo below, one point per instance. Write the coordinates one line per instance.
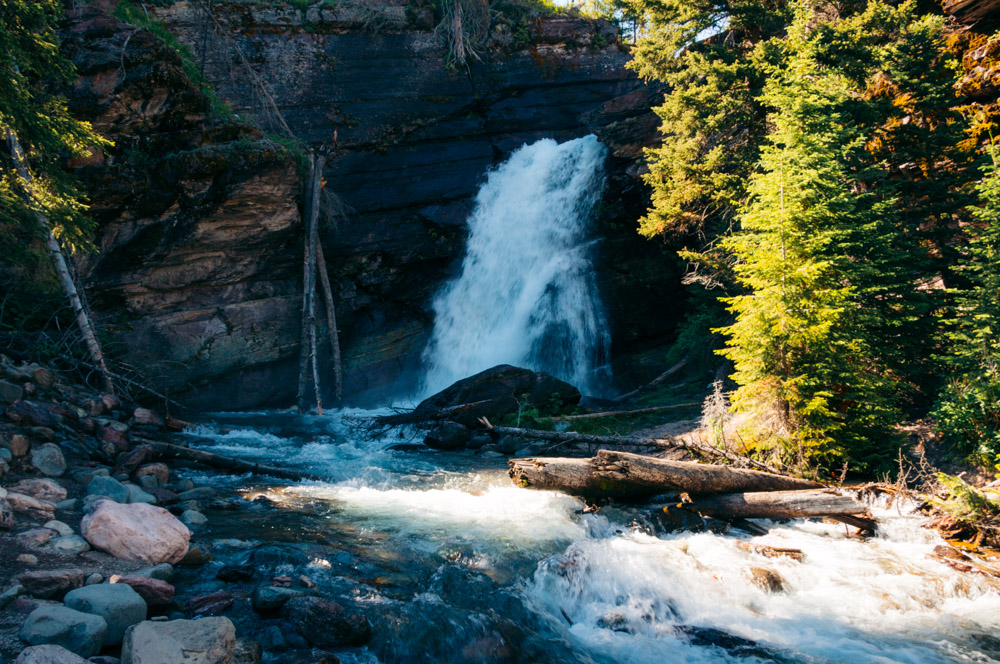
(200, 256)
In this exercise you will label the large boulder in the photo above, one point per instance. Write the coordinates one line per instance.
(78, 632)
(498, 391)
(326, 624)
(119, 605)
(136, 531)
(204, 641)
(48, 654)
(448, 435)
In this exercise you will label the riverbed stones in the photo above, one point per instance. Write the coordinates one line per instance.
(137, 495)
(268, 598)
(204, 641)
(58, 526)
(119, 605)
(199, 493)
(18, 445)
(158, 470)
(108, 487)
(69, 545)
(273, 555)
(326, 624)
(766, 579)
(78, 632)
(7, 520)
(212, 604)
(51, 584)
(48, 654)
(42, 489)
(136, 532)
(48, 459)
(35, 537)
(193, 518)
(9, 392)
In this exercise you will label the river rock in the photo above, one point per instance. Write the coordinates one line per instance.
(58, 526)
(137, 495)
(48, 459)
(51, 584)
(158, 470)
(199, 493)
(48, 654)
(69, 544)
(204, 641)
(33, 508)
(136, 532)
(501, 390)
(147, 418)
(326, 624)
(119, 605)
(27, 559)
(18, 445)
(766, 579)
(196, 556)
(78, 632)
(236, 572)
(247, 651)
(448, 436)
(193, 518)
(155, 592)
(149, 483)
(108, 487)
(212, 604)
(161, 572)
(42, 489)
(35, 537)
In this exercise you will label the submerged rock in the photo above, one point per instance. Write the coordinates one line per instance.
(326, 624)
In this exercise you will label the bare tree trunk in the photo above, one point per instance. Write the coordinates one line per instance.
(62, 268)
(307, 352)
(613, 474)
(331, 323)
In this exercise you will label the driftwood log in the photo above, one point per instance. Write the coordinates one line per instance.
(129, 461)
(612, 474)
(826, 503)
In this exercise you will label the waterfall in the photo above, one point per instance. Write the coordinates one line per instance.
(526, 294)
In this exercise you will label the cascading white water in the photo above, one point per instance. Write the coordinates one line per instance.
(526, 294)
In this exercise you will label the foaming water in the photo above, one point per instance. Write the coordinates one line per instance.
(481, 571)
(526, 294)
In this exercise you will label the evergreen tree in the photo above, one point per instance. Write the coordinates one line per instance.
(30, 65)
(811, 254)
(968, 411)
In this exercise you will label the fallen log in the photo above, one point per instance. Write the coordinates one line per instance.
(612, 474)
(623, 413)
(150, 451)
(570, 437)
(826, 503)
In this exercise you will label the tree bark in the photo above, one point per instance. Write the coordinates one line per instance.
(613, 474)
(129, 461)
(61, 267)
(779, 505)
(307, 352)
(331, 323)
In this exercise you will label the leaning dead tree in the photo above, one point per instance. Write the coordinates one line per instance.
(308, 362)
(61, 266)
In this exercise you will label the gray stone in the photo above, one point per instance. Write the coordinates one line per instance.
(48, 459)
(58, 526)
(247, 651)
(108, 487)
(78, 632)
(68, 505)
(48, 654)
(149, 482)
(119, 605)
(193, 518)
(27, 559)
(89, 503)
(93, 579)
(271, 638)
(6, 455)
(86, 475)
(137, 495)
(9, 392)
(36, 537)
(204, 641)
(69, 544)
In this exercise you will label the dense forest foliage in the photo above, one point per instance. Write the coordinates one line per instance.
(827, 167)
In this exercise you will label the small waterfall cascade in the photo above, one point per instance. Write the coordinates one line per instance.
(526, 294)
